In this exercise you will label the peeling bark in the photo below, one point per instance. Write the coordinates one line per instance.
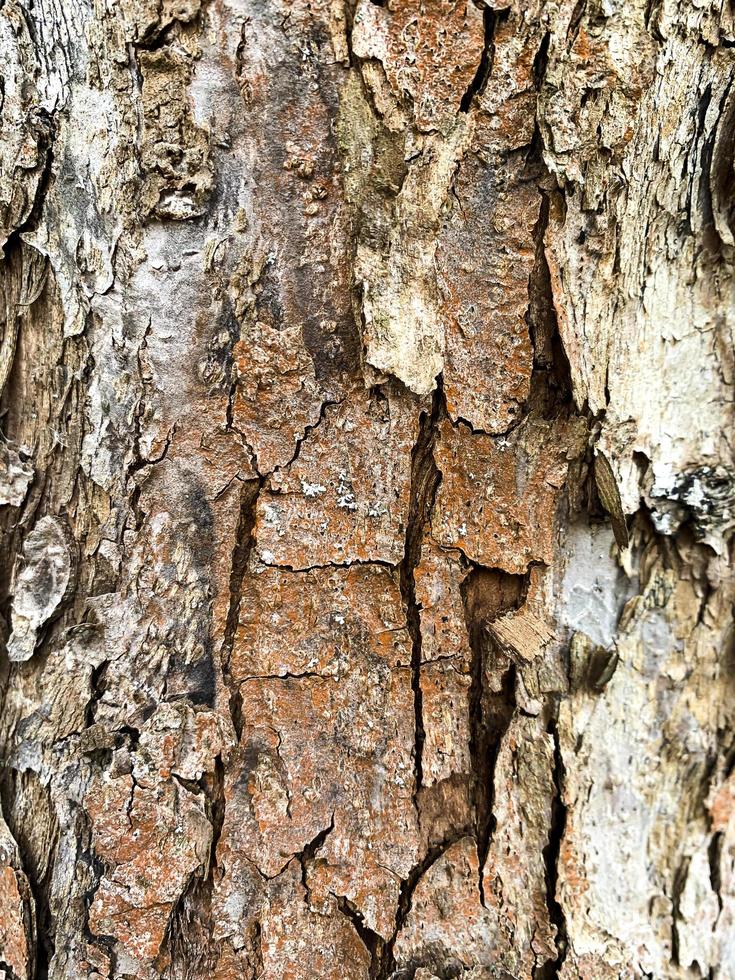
(366, 489)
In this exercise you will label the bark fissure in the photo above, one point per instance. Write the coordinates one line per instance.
(38, 871)
(383, 961)
(244, 543)
(552, 968)
(677, 886)
(425, 479)
(491, 17)
(487, 594)
(309, 853)
(380, 967)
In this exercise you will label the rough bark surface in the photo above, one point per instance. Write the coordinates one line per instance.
(367, 489)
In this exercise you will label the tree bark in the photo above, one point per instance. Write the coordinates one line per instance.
(367, 489)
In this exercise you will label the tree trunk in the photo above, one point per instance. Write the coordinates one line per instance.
(367, 489)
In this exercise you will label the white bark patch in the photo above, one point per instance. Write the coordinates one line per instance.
(698, 911)
(403, 330)
(15, 476)
(594, 588)
(663, 298)
(41, 579)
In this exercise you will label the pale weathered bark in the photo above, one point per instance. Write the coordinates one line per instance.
(366, 489)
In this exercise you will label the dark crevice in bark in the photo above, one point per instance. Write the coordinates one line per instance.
(96, 871)
(45, 130)
(541, 60)
(309, 852)
(382, 956)
(160, 35)
(373, 943)
(97, 688)
(131, 735)
(490, 19)
(244, 543)
(457, 421)
(425, 479)
(230, 415)
(714, 852)
(487, 594)
(697, 170)
(677, 887)
(216, 794)
(574, 21)
(13, 856)
(190, 926)
(183, 943)
(352, 562)
(139, 461)
(308, 431)
(194, 786)
(552, 968)
(24, 278)
(232, 427)
(717, 187)
(551, 381)
(286, 676)
(651, 17)
(31, 819)
(7, 971)
(156, 38)
(488, 725)
(191, 923)
(257, 948)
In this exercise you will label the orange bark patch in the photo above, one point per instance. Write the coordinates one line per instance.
(319, 622)
(325, 760)
(345, 498)
(445, 690)
(274, 370)
(722, 806)
(298, 943)
(498, 496)
(14, 948)
(484, 268)
(448, 927)
(430, 52)
(149, 830)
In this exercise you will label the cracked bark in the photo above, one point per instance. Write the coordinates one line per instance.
(366, 490)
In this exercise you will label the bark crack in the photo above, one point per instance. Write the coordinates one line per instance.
(382, 956)
(309, 852)
(490, 19)
(552, 968)
(244, 543)
(425, 480)
(488, 594)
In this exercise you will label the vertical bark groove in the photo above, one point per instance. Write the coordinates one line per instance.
(425, 479)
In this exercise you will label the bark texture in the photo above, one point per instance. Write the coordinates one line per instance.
(367, 489)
